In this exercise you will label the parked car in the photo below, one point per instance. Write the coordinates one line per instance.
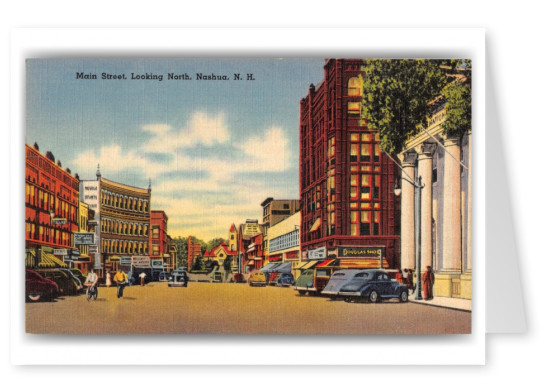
(285, 279)
(272, 280)
(78, 274)
(257, 279)
(238, 277)
(164, 276)
(313, 281)
(337, 280)
(38, 287)
(178, 279)
(373, 285)
(66, 282)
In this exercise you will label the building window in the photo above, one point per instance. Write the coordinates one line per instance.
(354, 109)
(155, 232)
(354, 86)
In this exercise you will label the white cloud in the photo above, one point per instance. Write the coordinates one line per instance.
(201, 129)
(207, 206)
(267, 152)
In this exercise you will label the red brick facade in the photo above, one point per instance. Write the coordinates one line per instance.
(346, 182)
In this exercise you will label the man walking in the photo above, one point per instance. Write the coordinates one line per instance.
(121, 279)
(142, 278)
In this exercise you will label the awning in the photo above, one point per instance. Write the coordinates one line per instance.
(308, 265)
(47, 260)
(270, 267)
(284, 267)
(251, 263)
(300, 265)
(316, 225)
(328, 262)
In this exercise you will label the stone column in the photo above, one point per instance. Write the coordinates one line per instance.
(426, 152)
(469, 203)
(452, 208)
(407, 235)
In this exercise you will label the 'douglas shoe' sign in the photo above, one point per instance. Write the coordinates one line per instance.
(125, 261)
(361, 252)
(84, 238)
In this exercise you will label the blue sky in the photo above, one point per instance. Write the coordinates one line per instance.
(214, 150)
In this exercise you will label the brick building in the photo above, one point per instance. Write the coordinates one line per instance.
(349, 210)
(51, 209)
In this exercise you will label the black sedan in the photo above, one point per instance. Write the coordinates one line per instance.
(373, 285)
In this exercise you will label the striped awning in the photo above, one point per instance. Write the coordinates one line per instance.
(308, 265)
(47, 260)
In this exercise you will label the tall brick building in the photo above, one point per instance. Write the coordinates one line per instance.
(349, 210)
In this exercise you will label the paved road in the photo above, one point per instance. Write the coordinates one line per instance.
(210, 308)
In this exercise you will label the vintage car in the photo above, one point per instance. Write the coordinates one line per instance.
(66, 282)
(337, 280)
(38, 287)
(373, 285)
(163, 276)
(285, 279)
(257, 279)
(238, 277)
(305, 282)
(178, 279)
(272, 280)
(78, 274)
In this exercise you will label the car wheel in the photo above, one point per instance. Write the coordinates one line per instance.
(302, 293)
(347, 299)
(404, 296)
(373, 296)
(34, 297)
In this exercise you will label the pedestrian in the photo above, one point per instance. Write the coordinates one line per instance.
(108, 280)
(428, 282)
(399, 277)
(142, 278)
(121, 279)
(409, 279)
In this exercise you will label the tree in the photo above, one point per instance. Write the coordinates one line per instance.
(181, 250)
(397, 96)
(198, 264)
(458, 108)
(213, 243)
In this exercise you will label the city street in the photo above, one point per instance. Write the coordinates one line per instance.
(211, 308)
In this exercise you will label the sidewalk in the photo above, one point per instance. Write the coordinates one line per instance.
(445, 302)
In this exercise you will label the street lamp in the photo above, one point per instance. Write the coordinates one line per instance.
(418, 185)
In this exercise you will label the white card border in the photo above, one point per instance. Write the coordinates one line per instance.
(236, 350)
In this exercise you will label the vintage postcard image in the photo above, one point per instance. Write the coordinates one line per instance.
(248, 196)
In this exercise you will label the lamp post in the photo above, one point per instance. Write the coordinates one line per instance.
(418, 185)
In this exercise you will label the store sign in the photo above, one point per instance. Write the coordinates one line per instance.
(251, 229)
(84, 238)
(93, 248)
(59, 220)
(361, 252)
(141, 261)
(60, 251)
(317, 253)
(125, 261)
(291, 255)
(157, 264)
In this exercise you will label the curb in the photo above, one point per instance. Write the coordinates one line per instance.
(439, 305)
